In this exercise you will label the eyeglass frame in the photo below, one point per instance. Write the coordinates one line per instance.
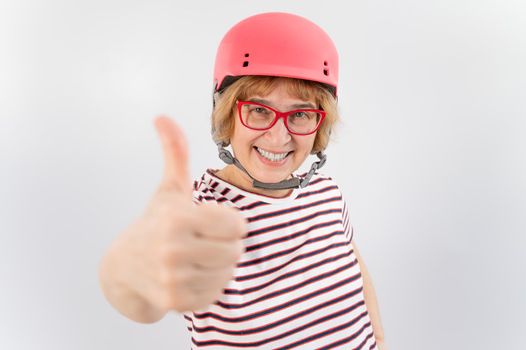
(280, 115)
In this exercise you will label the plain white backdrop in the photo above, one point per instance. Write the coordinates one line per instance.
(430, 156)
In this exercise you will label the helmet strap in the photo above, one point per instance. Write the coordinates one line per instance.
(295, 182)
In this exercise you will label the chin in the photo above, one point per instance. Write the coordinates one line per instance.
(267, 175)
(272, 179)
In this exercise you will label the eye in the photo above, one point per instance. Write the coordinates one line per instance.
(260, 111)
(300, 115)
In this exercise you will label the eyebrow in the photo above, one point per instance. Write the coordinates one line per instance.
(307, 105)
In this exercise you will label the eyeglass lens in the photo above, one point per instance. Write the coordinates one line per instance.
(260, 117)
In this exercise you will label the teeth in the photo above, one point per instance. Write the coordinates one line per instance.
(274, 157)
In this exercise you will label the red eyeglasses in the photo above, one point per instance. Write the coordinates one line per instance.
(257, 116)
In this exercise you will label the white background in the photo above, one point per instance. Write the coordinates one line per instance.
(431, 157)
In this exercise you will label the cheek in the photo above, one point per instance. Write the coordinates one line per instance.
(243, 138)
(305, 143)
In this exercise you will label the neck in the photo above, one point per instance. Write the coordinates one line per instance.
(238, 178)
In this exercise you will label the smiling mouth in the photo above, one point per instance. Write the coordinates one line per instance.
(273, 157)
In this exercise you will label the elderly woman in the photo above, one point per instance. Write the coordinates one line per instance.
(253, 255)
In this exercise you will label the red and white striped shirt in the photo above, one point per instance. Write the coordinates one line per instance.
(298, 285)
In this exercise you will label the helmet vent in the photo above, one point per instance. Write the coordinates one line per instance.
(245, 64)
(326, 72)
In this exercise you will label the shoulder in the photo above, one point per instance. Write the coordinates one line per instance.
(204, 188)
(321, 187)
(321, 181)
(210, 188)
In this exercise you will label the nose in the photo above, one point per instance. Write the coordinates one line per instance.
(279, 133)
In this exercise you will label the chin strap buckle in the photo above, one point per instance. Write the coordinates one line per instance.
(315, 166)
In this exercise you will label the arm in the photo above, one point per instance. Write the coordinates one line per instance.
(370, 300)
(176, 255)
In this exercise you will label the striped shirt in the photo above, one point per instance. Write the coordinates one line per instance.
(298, 285)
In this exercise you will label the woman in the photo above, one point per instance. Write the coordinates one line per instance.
(274, 265)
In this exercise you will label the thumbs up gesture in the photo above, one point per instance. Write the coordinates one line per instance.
(177, 255)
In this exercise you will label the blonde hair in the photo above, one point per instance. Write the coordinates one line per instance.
(225, 104)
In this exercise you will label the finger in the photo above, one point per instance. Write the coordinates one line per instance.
(214, 254)
(210, 281)
(175, 150)
(218, 222)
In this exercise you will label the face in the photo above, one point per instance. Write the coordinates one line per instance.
(262, 152)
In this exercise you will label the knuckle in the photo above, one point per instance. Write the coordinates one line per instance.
(196, 303)
(234, 253)
(239, 250)
(238, 225)
(229, 223)
(176, 297)
(174, 278)
(228, 276)
(222, 278)
(170, 254)
(221, 275)
(187, 300)
(211, 297)
(181, 301)
(235, 223)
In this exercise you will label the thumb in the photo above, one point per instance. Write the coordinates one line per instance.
(175, 151)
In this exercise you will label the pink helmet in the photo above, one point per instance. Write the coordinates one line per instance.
(276, 44)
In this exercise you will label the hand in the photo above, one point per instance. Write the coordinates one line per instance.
(179, 255)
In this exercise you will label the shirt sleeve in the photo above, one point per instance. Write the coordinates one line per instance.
(347, 227)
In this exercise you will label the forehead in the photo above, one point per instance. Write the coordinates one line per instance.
(283, 103)
(281, 88)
